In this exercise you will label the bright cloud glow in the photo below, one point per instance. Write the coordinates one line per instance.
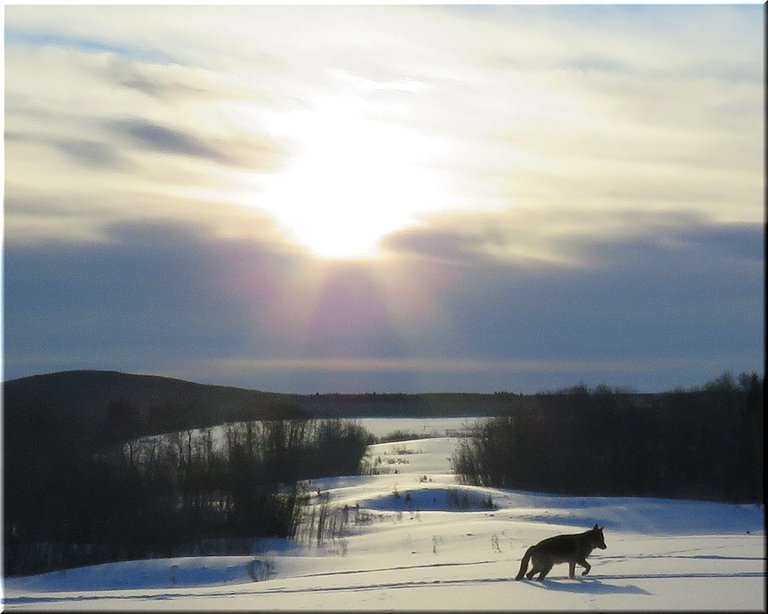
(345, 124)
(353, 179)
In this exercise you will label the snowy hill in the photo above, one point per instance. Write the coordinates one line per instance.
(415, 539)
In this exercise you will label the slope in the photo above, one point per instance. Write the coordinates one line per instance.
(415, 539)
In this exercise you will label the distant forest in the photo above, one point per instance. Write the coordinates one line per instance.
(104, 466)
(705, 443)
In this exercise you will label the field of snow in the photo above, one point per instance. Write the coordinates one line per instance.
(426, 427)
(414, 539)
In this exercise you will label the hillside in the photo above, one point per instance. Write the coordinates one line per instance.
(157, 404)
(87, 395)
(412, 546)
(129, 405)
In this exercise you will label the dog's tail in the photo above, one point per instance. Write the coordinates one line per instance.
(524, 564)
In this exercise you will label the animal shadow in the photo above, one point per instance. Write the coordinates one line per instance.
(586, 585)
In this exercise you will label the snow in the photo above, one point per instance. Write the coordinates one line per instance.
(415, 542)
(432, 427)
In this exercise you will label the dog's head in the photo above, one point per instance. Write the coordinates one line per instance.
(598, 538)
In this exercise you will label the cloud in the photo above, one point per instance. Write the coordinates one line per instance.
(97, 154)
(102, 110)
(156, 137)
(658, 305)
(649, 286)
(163, 82)
(562, 237)
(241, 150)
(92, 153)
(600, 175)
(153, 290)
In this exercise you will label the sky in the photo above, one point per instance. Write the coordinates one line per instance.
(385, 198)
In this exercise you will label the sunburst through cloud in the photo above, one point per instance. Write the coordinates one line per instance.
(322, 198)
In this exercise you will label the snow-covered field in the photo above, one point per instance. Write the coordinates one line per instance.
(426, 427)
(417, 540)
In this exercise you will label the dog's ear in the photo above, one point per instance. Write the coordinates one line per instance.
(595, 528)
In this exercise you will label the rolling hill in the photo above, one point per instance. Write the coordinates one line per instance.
(87, 396)
(158, 404)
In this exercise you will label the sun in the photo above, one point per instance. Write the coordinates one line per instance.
(354, 180)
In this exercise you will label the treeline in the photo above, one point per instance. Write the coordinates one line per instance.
(169, 495)
(702, 443)
(125, 419)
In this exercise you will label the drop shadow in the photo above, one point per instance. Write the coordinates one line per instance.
(587, 585)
